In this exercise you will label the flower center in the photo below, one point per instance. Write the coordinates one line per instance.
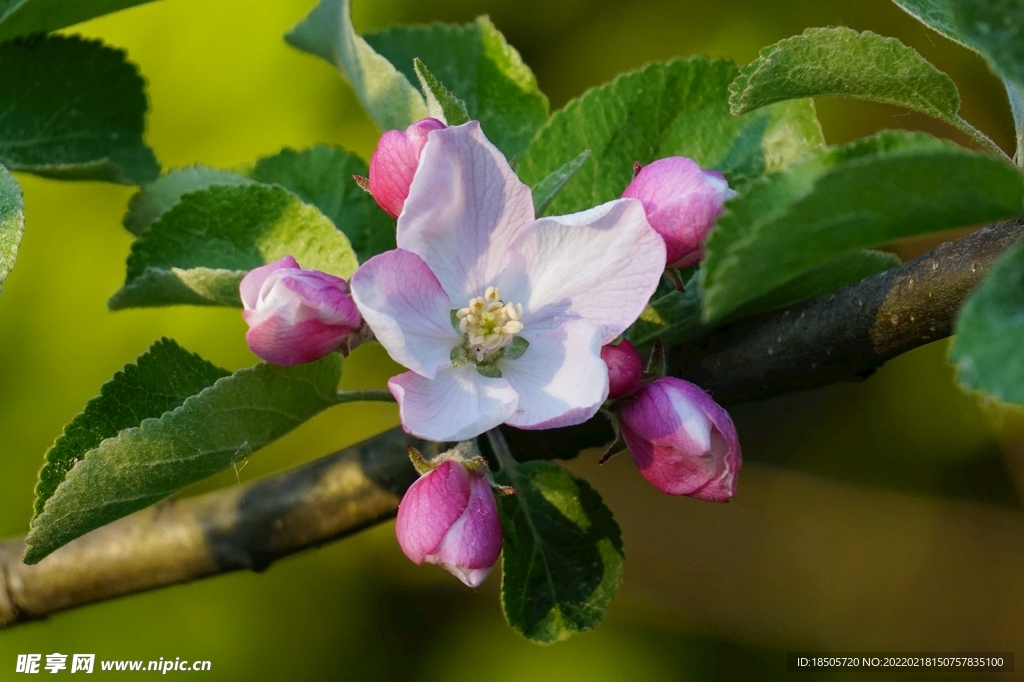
(489, 323)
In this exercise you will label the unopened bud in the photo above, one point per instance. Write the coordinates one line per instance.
(449, 517)
(296, 315)
(682, 441)
(395, 161)
(625, 369)
(682, 202)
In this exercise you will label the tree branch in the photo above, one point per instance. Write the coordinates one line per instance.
(843, 336)
(245, 527)
(846, 335)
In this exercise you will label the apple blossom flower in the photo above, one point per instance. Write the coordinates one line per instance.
(625, 369)
(500, 317)
(394, 164)
(449, 517)
(296, 315)
(682, 203)
(682, 441)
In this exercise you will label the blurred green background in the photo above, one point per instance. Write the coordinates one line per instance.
(877, 516)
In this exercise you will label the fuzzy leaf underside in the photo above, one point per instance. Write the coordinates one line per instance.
(199, 250)
(12, 223)
(211, 430)
(387, 95)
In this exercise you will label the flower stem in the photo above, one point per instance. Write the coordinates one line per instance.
(501, 451)
(379, 395)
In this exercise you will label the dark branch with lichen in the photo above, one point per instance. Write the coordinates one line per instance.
(844, 336)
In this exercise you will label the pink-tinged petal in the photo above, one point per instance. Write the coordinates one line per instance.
(392, 167)
(471, 547)
(419, 132)
(249, 289)
(407, 309)
(682, 441)
(465, 207)
(691, 222)
(561, 379)
(430, 508)
(600, 265)
(394, 162)
(625, 369)
(458, 403)
(282, 342)
(326, 293)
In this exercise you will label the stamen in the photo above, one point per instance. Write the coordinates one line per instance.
(489, 323)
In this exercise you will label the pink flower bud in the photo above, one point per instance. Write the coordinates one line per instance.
(682, 202)
(296, 315)
(394, 163)
(625, 369)
(449, 518)
(682, 441)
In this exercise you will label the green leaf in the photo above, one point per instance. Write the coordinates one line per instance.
(441, 103)
(200, 250)
(840, 62)
(823, 279)
(562, 556)
(665, 109)
(322, 176)
(674, 317)
(387, 95)
(987, 349)
(481, 69)
(841, 200)
(210, 431)
(545, 191)
(155, 199)
(12, 223)
(677, 316)
(993, 28)
(25, 17)
(157, 382)
(73, 109)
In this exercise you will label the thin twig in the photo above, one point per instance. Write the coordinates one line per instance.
(840, 337)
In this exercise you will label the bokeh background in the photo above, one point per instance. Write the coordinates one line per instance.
(880, 516)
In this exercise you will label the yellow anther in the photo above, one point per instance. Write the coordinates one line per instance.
(489, 323)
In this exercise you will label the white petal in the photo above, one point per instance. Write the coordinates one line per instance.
(407, 310)
(465, 207)
(561, 379)
(455, 405)
(600, 265)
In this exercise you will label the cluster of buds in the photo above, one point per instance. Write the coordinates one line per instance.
(681, 440)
